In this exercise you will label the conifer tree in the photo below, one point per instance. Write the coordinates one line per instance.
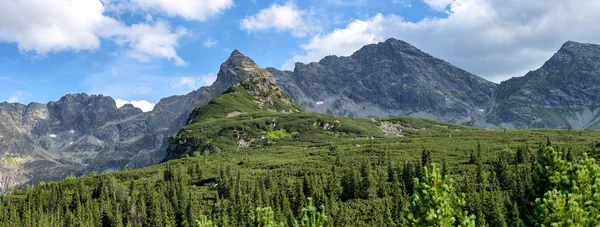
(571, 197)
(368, 188)
(435, 202)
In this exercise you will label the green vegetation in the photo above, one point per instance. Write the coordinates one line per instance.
(350, 182)
(9, 159)
(435, 202)
(258, 167)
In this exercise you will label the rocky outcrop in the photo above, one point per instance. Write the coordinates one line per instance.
(388, 79)
(257, 95)
(394, 78)
(563, 93)
(83, 133)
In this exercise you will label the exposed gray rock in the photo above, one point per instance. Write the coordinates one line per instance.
(563, 93)
(82, 134)
(395, 78)
(388, 79)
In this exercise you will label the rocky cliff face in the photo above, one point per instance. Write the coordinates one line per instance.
(388, 79)
(563, 93)
(395, 78)
(82, 134)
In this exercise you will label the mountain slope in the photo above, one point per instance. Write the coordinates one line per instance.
(391, 78)
(256, 113)
(256, 95)
(563, 93)
(82, 134)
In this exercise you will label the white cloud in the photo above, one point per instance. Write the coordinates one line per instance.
(52, 25)
(209, 79)
(495, 39)
(148, 18)
(156, 40)
(15, 97)
(185, 81)
(137, 81)
(57, 25)
(195, 82)
(282, 18)
(210, 43)
(439, 5)
(340, 41)
(142, 104)
(198, 10)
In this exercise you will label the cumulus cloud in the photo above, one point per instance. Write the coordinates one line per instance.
(52, 25)
(15, 97)
(495, 39)
(198, 10)
(208, 79)
(158, 40)
(57, 25)
(282, 18)
(142, 104)
(209, 43)
(439, 5)
(195, 82)
(139, 81)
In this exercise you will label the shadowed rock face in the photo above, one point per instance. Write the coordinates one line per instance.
(82, 134)
(387, 79)
(395, 78)
(564, 92)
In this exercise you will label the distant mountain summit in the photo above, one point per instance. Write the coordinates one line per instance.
(563, 93)
(390, 78)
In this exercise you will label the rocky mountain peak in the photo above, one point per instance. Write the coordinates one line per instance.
(238, 60)
(390, 49)
(258, 94)
(573, 52)
(237, 68)
(562, 93)
(571, 57)
(82, 111)
(576, 46)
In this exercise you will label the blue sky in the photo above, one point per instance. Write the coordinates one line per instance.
(143, 50)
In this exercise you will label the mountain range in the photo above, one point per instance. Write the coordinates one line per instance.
(82, 134)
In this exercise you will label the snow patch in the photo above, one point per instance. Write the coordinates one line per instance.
(52, 135)
(72, 131)
(71, 143)
(320, 103)
(481, 110)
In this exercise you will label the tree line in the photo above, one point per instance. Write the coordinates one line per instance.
(546, 186)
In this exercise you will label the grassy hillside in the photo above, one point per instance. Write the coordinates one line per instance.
(254, 147)
(227, 186)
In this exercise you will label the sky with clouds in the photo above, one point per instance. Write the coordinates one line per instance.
(138, 51)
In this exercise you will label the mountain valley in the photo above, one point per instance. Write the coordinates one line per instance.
(82, 134)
